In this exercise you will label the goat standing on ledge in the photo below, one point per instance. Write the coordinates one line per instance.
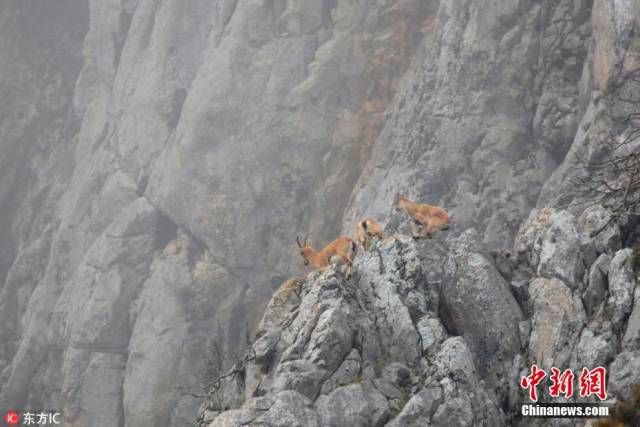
(366, 231)
(426, 218)
(340, 251)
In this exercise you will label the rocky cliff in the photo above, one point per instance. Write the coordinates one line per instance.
(159, 158)
(440, 332)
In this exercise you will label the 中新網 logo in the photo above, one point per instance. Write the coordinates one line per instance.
(592, 382)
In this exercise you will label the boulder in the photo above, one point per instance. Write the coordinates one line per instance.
(417, 412)
(481, 308)
(557, 319)
(631, 338)
(599, 223)
(624, 374)
(622, 282)
(561, 250)
(354, 405)
(595, 350)
(594, 294)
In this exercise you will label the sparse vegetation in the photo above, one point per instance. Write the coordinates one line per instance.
(400, 404)
(213, 391)
(358, 378)
(615, 181)
(634, 259)
(624, 413)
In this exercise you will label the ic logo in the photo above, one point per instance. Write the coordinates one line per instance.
(12, 418)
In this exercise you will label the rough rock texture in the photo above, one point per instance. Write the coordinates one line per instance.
(158, 159)
(154, 179)
(434, 331)
(610, 92)
(434, 336)
(369, 322)
(485, 114)
(477, 300)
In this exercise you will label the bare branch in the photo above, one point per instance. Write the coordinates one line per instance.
(614, 182)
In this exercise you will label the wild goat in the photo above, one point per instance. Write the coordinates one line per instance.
(426, 218)
(366, 231)
(340, 251)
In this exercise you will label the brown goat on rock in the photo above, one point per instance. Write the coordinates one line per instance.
(427, 219)
(340, 251)
(366, 231)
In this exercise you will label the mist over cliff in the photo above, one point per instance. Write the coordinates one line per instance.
(158, 159)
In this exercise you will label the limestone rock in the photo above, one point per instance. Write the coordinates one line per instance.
(557, 317)
(348, 373)
(474, 153)
(621, 287)
(355, 404)
(418, 411)
(159, 158)
(290, 409)
(631, 338)
(481, 308)
(624, 374)
(594, 294)
(561, 252)
(594, 350)
(596, 219)
(431, 332)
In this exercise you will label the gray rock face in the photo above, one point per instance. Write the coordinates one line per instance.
(424, 352)
(432, 333)
(480, 130)
(607, 80)
(418, 411)
(601, 223)
(481, 308)
(36, 120)
(287, 408)
(631, 339)
(594, 293)
(624, 374)
(158, 159)
(555, 246)
(211, 113)
(560, 252)
(557, 318)
(594, 350)
(622, 283)
(371, 323)
(355, 404)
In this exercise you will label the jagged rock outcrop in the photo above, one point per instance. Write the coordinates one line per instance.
(435, 335)
(578, 323)
(158, 159)
(372, 348)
